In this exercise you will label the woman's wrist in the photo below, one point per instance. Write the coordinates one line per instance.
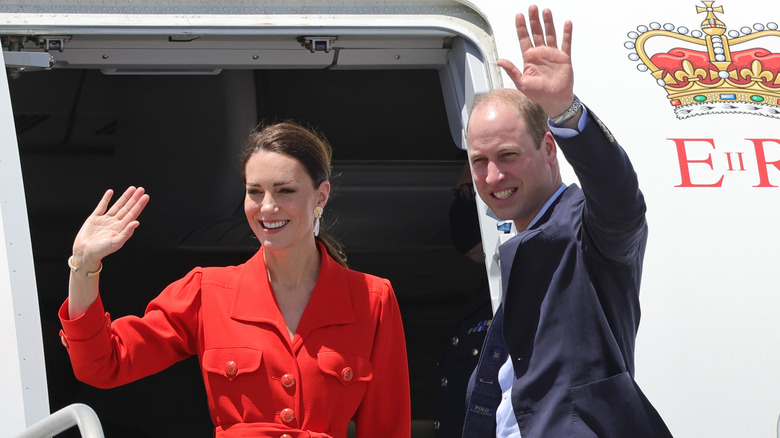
(79, 264)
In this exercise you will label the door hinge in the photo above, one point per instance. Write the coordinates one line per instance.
(18, 61)
(317, 43)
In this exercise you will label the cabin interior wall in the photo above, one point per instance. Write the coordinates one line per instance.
(81, 132)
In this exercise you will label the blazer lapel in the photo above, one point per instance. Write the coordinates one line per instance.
(254, 300)
(508, 251)
(330, 303)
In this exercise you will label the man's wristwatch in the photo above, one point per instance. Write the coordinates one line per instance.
(568, 114)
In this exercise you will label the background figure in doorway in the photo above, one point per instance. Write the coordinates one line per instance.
(461, 354)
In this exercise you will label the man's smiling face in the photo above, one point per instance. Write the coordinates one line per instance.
(513, 175)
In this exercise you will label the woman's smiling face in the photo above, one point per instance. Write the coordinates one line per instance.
(280, 200)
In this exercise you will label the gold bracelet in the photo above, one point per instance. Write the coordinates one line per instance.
(75, 268)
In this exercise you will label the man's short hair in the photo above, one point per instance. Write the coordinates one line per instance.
(532, 114)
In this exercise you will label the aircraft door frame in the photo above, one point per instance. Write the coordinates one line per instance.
(25, 398)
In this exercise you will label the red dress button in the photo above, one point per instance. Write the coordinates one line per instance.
(288, 380)
(230, 368)
(287, 415)
(347, 374)
(286, 436)
(64, 341)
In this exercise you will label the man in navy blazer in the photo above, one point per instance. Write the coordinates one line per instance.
(558, 360)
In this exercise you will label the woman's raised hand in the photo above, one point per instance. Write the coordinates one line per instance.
(107, 229)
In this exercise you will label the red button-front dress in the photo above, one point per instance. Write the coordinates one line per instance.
(346, 361)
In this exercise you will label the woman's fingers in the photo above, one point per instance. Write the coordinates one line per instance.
(120, 203)
(103, 204)
(126, 208)
(137, 205)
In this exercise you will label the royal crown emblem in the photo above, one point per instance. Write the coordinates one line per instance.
(718, 71)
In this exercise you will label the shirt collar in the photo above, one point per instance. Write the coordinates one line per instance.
(546, 206)
(506, 225)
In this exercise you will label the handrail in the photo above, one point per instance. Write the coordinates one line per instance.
(77, 414)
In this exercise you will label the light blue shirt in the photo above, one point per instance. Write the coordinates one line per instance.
(506, 422)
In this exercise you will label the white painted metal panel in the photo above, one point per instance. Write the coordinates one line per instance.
(24, 397)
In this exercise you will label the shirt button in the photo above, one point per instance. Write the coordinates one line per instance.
(287, 415)
(288, 380)
(443, 381)
(474, 352)
(347, 374)
(455, 340)
(231, 367)
(436, 425)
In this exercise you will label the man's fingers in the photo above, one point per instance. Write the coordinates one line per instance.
(511, 70)
(537, 34)
(522, 33)
(566, 43)
(549, 29)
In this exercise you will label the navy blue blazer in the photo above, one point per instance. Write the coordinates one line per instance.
(570, 310)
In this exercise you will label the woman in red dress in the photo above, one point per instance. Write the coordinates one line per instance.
(291, 343)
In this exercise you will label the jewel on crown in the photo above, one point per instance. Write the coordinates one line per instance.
(712, 70)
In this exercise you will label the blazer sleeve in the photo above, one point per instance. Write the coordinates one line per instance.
(106, 353)
(386, 407)
(614, 214)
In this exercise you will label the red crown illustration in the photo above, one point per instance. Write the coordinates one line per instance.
(709, 75)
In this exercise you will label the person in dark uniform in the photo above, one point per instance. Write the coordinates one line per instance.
(461, 354)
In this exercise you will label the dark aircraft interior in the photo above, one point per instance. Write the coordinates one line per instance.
(82, 131)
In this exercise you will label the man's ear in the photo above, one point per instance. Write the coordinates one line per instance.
(550, 148)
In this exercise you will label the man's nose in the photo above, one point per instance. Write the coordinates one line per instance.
(494, 174)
